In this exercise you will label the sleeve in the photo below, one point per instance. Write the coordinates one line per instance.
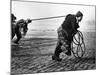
(21, 23)
(25, 26)
(73, 23)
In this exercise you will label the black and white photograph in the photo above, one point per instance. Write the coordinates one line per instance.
(52, 37)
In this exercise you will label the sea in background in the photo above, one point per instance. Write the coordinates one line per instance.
(89, 36)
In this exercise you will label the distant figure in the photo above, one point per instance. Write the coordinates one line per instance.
(19, 25)
(65, 34)
(13, 23)
(13, 18)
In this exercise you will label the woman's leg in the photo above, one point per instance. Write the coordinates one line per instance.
(69, 40)
(57, 52)
(19, 36)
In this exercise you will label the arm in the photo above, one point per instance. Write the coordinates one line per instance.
(74, 25)
(25, 28)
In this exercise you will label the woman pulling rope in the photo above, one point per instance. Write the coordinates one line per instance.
(65, 34)
(17, 26)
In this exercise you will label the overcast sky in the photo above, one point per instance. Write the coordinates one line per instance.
(38, 10)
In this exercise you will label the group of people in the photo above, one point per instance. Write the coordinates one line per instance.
(65, 32)
(16, 27)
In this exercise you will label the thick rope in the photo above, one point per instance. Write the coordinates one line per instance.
(48, 18)
(79, 42)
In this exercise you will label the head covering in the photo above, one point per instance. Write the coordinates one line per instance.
(13, 17)
(79, 13)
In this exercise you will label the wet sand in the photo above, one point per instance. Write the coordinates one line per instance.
(33, 55)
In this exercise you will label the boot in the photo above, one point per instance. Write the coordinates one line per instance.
(56, 58)
(16, 42)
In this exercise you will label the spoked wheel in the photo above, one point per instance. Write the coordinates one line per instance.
(78, 45)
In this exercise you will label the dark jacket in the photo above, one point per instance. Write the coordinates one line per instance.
(70, 24)
(13, 22)
(13, 18)
(21, 24)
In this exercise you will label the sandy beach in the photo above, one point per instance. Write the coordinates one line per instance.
(33, 55)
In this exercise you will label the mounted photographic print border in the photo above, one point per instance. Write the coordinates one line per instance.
(41, 42)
